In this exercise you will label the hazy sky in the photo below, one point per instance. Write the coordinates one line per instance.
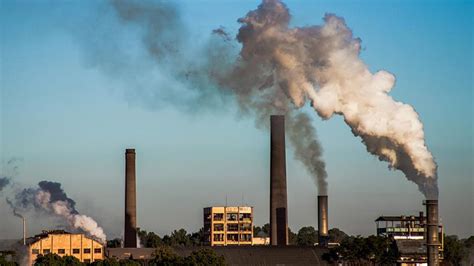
(67, 121)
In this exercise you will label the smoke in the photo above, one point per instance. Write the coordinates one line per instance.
(278, 70)
(321, 64)
(50, 198)
(4, 181)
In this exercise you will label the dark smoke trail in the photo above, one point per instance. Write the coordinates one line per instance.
(50, 198)
(210, 81)
(4, 181)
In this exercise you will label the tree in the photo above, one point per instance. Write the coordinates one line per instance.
(307, 236)
(52, 259)
(177, 238)
(164, 255)
(197, 238)
(106, 262)
(454, 250)
(336, 235)
(149, 239)
(205, 257)
(5, 261)
(292, 238)
(114, 243)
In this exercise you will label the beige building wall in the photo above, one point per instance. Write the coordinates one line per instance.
(78, 245)
(229, 225)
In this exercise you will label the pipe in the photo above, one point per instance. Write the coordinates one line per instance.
(130, 232)
(432, 242)
(278, 196)
(323, 234)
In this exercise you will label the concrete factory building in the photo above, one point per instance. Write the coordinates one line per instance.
(409, 234)
(63, 243)
(225, 226)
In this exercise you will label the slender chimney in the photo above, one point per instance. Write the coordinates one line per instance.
(432, 243)
(323, 235)
(130, 232)
(278, 198)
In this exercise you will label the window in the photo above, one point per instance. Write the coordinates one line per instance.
(87, 250)
(61, 251)
(245, 227)
(246, 237)
(76, 251)
(97, 250)
(218, 237)
(232, 217)
(87, 260)
(218, 227)
(35, 251)
(245, 216)
(218, 217)
(232, 237)
(232, 227)
(46, 251)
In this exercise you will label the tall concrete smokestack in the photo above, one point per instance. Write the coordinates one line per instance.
(432, 243)
(278, 198)
(323, 235)
(130, 232)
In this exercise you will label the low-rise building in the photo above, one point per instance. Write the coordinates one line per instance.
(63, 243)
(409, 234)
(225, 226)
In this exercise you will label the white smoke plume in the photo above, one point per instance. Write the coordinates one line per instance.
(278, 70)
(50, 198)
(321, 64)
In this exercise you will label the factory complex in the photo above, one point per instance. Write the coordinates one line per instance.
(229, 229)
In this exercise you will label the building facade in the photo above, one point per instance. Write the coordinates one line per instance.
(224, 226)
(65, 244)
(409, 234)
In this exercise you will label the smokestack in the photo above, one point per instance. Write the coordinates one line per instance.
(432, 243)
(323, 235)
(24, 231)
(278, 198)
(130, 232)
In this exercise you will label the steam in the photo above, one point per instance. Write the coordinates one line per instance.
(50, 198)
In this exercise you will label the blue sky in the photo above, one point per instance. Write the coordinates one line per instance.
(69, 122)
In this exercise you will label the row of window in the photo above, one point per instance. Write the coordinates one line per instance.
(233, 237)
(233, 227)
(63, 251)
(232, 216)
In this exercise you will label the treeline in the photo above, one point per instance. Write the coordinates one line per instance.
(163, 255)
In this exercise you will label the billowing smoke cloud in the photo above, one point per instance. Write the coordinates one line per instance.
(321, 64)
(50, 198)
(278, 70)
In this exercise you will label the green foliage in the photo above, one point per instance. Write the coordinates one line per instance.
(204, 257)
(336, 235)
(262, 231)
(177, 238)
(56, 260)
(292, 238)
(164, 255)
(5, 261)
(106, 262)
(149, 239)
(307, 236)
(114, 243)
(373, 249)
(454, 250)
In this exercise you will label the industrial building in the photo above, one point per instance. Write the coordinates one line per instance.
(63, 243)
(225, 226)
(410, 236)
